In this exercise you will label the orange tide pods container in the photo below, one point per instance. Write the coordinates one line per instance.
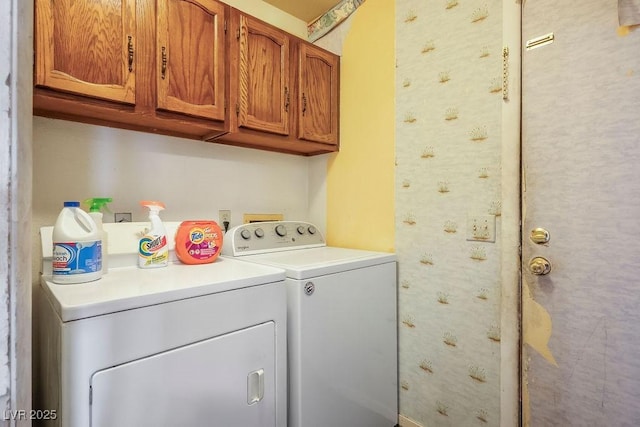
(198, 242)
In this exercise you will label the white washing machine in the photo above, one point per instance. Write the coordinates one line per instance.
(184, 345)
(342, 323)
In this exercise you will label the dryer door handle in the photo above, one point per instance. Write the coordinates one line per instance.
(255, 386)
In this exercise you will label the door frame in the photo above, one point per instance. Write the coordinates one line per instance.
(510, 225)
(16, 38)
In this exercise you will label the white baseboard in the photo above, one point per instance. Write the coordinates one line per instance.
(407, 422)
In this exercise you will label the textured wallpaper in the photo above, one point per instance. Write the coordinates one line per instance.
(448, 145)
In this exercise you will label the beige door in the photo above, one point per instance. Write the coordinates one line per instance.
(581, 182)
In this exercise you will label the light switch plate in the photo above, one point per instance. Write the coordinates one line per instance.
(481, 228)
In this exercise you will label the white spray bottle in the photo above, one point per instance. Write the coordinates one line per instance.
(153, 251)
(95, 211)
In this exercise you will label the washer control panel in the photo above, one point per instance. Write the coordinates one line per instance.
(271, 236)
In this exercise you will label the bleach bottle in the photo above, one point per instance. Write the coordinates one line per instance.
(77, 246)
(152, 249)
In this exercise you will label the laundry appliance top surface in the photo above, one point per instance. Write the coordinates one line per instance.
(298, 248)
(127, 286)
(132, 287)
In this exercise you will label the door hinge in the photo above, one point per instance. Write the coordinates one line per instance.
(225, 26)
(238, 34)
(237, 109)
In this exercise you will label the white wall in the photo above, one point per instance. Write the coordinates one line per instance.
(74, 161)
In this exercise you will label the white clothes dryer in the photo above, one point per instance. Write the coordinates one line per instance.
(342, 323)
(184, 345)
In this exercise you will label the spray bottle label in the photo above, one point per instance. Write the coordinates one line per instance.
(153, 250)
(77, 257)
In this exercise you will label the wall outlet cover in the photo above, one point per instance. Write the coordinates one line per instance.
(122, 217)
(224, 215)
(481, 228)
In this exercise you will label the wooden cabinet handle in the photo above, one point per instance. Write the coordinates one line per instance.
(286, 99)
(130, 50)
(304, 104)
(164, 62)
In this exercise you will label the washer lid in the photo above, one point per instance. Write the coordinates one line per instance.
(308, 263)
(128, 288)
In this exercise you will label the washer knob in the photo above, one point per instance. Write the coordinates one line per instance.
(259, 233)
(300, 229)
(245, 234)
(281, 230)
(312, 229)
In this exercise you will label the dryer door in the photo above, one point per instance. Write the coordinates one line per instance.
(228, 380)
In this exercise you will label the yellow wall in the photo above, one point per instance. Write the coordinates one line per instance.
(360, 178)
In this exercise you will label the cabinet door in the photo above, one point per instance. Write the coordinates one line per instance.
(263, 77)
(318, 95)
(191, 57)
(87, 47)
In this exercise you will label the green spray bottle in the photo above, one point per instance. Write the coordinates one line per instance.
(95, 211)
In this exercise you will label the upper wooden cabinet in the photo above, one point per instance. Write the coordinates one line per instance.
(190, 53)
(190, 68)
(262, 71)
(285, 90)
(87, 48)
(150, 65)
(318, 115)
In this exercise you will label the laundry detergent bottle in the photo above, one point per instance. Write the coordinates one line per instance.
(152, 249)
(77, 246)
(95, 211)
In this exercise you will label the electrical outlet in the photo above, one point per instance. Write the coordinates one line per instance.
(224, 215)
(122, 217)
(481, 228)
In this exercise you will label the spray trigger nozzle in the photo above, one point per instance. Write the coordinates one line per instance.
(153, 206)
(98, 203)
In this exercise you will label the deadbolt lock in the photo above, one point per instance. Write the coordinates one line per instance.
(539, 266)
(540, 236)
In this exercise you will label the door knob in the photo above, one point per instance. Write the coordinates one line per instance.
(539, 266)
(539, 236)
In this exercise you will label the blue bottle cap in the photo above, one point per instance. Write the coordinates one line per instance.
(71, 204)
